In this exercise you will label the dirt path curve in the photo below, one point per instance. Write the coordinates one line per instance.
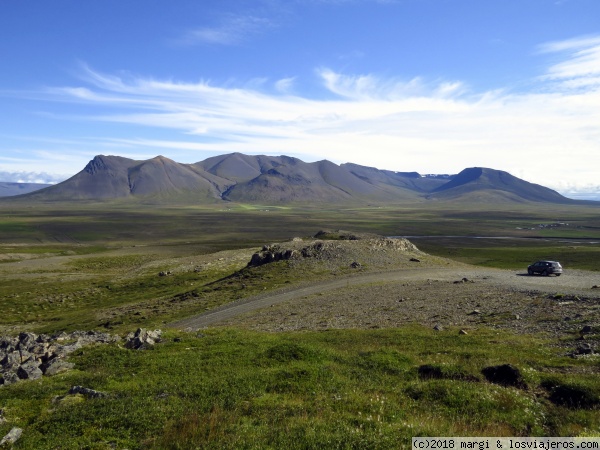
(572, 282)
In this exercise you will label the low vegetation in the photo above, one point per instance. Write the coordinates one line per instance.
(227, 388)
(114, 270)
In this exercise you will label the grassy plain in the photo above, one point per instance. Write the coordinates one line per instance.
(82, 266)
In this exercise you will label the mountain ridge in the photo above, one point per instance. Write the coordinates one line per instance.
(237, 177)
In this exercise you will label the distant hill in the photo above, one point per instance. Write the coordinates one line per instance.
(8, 189)
(283, 179)
(500, 183)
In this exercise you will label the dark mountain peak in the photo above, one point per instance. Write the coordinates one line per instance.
(102, 163)
(482, 178)
(283, 179)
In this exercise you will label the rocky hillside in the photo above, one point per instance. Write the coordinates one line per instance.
(282, 180)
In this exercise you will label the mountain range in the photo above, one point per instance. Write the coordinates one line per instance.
(282, 179)
(8, 188)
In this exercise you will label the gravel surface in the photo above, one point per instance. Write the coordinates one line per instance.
(465, 297)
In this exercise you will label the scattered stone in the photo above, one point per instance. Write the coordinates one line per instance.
(475, 312)
(356, 265)
(595, 286)
(13, 436)
(505, 375)
(517, 317)
(86, 392)
(462, 332)
(29, 356)
(581, 350)
(415, 260)
(142, 339)
(164, 274)
(438, 327)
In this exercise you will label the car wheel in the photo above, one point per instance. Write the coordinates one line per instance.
(545, 273)
(530, 272)
(558, 274)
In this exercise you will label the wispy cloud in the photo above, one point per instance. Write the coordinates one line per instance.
(549, 136)
(30, 177)
(581, 67)
(231, 30)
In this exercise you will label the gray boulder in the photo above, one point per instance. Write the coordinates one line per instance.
(87, 392)
(56, 365)
(29, 370)
(13, 436)
(142, 339)
(8, 378)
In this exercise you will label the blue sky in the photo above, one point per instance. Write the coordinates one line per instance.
(428, 85)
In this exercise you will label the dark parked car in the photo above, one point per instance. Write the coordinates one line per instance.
(545, 268)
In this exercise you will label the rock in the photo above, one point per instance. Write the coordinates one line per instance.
(90, 393)
(586, 330)
(356, 265)
(505, 375)
(582, 349)
(64, 350)
(30, 356)
(29, 370)
(56, 365)
(438, 327)
(9, 378)
(595, 286)
(271, 254)
(142, 339)
(475, 312)
(462, 332)
(415, 260)
(13, 436)
(27, 339)
(10, 361)
(8, 344)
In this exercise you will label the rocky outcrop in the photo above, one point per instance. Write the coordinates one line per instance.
(142, 339)
(29, 356)
(335, 246)
(271, 253)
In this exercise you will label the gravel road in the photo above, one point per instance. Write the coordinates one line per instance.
(451, 296)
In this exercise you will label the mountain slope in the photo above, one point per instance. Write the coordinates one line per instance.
(115, 177)
(479, 179)
(8, 188)
(283, 179)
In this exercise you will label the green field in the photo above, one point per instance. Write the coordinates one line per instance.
(66, 267)
(340, 389)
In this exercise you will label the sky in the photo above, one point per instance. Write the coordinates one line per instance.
(433, 86)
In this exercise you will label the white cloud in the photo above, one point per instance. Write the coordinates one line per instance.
(548, 136)
(232, 30)
(30, 177)
(581, 67)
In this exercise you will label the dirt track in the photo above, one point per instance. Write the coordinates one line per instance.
(426, 295)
